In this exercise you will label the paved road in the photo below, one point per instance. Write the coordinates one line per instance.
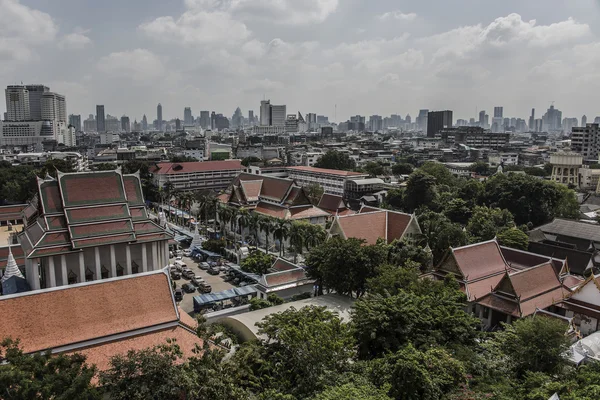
(216, 281)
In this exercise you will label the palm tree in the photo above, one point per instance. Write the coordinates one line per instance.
(234, 216)
(168, 190)
(281, 231)
(210, 206)
(266, 225)
(242, 219)
(253, 225)
(224, 218)
(315, 235)
(297, 234)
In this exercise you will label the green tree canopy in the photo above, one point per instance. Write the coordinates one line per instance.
(440, 233)
(486, 223)
(442, 175)
(402, 169)
(314, 191)
(257, 262)
(373, 168)
(513, 237)
(420, 191)
(334, 159)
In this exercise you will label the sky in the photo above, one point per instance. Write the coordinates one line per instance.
(331, 57)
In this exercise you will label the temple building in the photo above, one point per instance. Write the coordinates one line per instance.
(87, 226)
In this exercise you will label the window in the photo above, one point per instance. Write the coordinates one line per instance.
(135, 268)
(104, 272)
(89, 275)
(120, 270)
(71, 277)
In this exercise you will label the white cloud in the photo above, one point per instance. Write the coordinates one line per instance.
(139, 65)
(22, 29)
(76, 40)
(397, 15)
(197, 28)
(292, 12)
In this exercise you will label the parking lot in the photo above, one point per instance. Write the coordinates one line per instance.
(215, 281)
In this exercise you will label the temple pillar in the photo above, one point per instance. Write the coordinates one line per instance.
(98, 265)
(128, 260)
(63, 269)
(489, 319)
(144, 258)
(154, 256)
(81, 267)
(33, 275)
(51, 273)
(113, 261)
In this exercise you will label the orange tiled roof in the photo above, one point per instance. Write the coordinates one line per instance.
(271, 210)
(370, 226)
(83, 312)
(331, 202)
(480, 260)
(307, 212)
(10, 213)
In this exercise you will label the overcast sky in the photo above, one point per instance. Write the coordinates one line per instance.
(366, 56)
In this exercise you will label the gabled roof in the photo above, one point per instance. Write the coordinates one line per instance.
(578, 260)
(91, 188)
(479, 260)
(251, 189)
(73, 318)
(571, 228)
(11, 213)
(272, 188)
(331, 202)
(372, 225)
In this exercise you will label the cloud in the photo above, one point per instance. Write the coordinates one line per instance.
(292, 12)
(75, 41)
(397, 15)
(139, 65)
(22, 29)
(197, 28)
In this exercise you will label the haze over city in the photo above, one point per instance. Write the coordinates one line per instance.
(379, 57)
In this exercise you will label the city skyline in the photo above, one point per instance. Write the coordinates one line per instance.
(382, 58)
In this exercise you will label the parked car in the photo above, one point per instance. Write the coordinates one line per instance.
(187, 252)
(228, 278)
(188, 288)
(178, 294)
(204, 266)
(213, 271)
(224, 268)
(171, 255)
(188, 274)
(179, 252)
(175, 275)
(204, 288)
(244, 283)
(197, 280)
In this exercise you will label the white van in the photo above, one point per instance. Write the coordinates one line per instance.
(179, 264)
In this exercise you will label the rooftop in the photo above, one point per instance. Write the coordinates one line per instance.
(190, 167)
(326, 171)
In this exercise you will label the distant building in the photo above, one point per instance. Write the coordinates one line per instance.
(278, 115)
(100, 119)
(192, 176)
(421, 120)
(125, 124)
(89, 125)
(75, 121)
(551, 120)
(498, 112)
(250, 117)
(331, 180)
(474, 136)
(265, 113)
(583, 120)
(159, 117)
(205, 119)
(438, 120)
(585, 140)
(188, 119)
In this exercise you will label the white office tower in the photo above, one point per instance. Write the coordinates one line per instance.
(278, 115)
(17, 103)
(66, 135)
(265, 113)
(54, 107)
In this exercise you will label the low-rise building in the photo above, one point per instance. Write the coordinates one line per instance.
(284, 279)
(332, 181)
(568, 169)
(192, 176)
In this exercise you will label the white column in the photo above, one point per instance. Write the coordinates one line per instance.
(98, 266)
(33, 274)
(166, 253)
(113, 261)
(63, 268)
(81, 267)
(144, 258)
(128, 260)
(154, 256)
(51, 273)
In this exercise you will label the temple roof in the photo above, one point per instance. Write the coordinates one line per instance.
(87, 209)
(12, 269)
(372, 225)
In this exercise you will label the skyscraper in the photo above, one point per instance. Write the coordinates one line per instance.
(421, 120)
(438, 120)
(265, 113)
(75, 122)
(188, 119)
(35, 100)
(237, 120)
(205, 119)
(278, 115)
(532, 120)
(17, 103)
(551, 121)
(125, 124)
(482, 118)
(251, 117)
(177, 124)
(100, 119)
(159, 117)
(583, 120)
(498, 112)
(144, 123)
(54, 107)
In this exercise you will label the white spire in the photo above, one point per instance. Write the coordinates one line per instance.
(11, 266)
(196, 241)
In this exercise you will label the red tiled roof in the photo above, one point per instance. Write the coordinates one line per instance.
(307, 212)
(572, 281)
(70, 316)
(92, 188)
(133, 189)
(55, 239)
(396, 225)
(189, 167)
(271, 210)
(146, 227)
(369, 227)
(519, 259)
(100, 229)
(533, 281)
(17, 252)
(326, 171)
(103, 240)
(273, 188)
(366, 209)
(153, 237)
(101, 354)
(283, 265)
(480, 288)
(251, 189)
(31, 209)
(11, 213)
(347, 211)
(49, 251)
(498, 303)
(331, 202)
(223, 198)
(98, 213)
(285, 277)
(479, 260)
(50, 195)
(542, 301)
(138, 213)
(56, 222)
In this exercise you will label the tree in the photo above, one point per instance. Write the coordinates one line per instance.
(458, 211)
(353, 391)
(400, 252)
(420, 191)
(390, 279)
(374, 168)
(281, 230)
(314, 191)
(142, 374)
(306, 347)
(334, 159)
(216, 246)
(441, 234)
(44, 375)
(242, 220)
(297, 235)
(428, 313)
(182, 158)
(471, 191)
(395, 199)
(425, 375)
(257, 262)
(315, 235)
(485, 223)
(534, 344)
(439, 171)
(254, 225)
(344, 265)
(402, 169)
(513, 237)
(266, 225)
(481, 168)
(248, 160)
